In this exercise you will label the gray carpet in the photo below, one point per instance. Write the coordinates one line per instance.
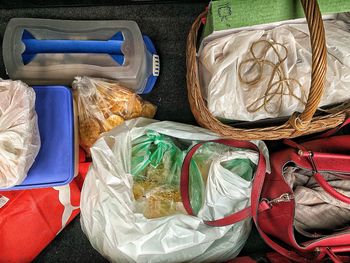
(167, 25)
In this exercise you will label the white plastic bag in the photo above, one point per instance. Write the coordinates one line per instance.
(121, 235)
(277, 82)
(19, 133)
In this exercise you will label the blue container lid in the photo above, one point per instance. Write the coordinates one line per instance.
(55, 163)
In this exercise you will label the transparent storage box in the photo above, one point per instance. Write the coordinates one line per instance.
(53, 52)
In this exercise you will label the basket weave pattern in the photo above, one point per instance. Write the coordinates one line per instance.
(298, 124)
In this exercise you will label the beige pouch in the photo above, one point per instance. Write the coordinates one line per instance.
(315, 210)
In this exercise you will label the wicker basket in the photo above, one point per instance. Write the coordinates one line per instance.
(298, 124)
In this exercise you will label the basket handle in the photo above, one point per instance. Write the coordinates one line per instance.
(300, 122)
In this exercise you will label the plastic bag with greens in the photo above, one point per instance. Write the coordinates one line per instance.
(128, 155)
(156, 168)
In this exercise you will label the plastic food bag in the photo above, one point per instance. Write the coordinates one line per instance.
(103, 105)
(19, 133)
(156, 163)
(109, 214)
(156, 166)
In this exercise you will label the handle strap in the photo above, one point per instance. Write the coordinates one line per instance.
(333, 131)
(184, 182)
(341, 161)
(255, 200)
(332, 255)
(330, 190)
(327, 162)
(256, 205)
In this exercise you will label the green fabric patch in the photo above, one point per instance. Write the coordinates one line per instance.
(228, 14)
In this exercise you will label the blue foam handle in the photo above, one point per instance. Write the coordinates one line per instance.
(34, 46)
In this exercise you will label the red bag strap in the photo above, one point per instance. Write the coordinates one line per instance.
(325, 185)
(333, 256)
(324, 161)
(184, 181)
(340, 161)
(255, 199)
(335, 130)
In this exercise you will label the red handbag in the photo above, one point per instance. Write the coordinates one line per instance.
(272, 199)
(325, 154)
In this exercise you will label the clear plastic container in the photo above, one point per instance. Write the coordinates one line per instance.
(53, 52)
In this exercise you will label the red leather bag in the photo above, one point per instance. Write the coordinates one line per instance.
(326, 153)
(272, 199)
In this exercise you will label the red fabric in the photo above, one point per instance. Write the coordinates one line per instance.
(277, 258)
(276, 224)
(242, 260)
(273, 257)
(185, 177)
(31, 219)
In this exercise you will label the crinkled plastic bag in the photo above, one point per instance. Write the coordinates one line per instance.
(105, 104)
(156, 163)
(262, 73)
(19, 133)
(156, 166)
(121, 234)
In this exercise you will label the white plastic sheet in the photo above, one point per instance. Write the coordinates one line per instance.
(19, 133)
(121, 235)
(228, 98)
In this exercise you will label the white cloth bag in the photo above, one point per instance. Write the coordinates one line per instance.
(121, 235)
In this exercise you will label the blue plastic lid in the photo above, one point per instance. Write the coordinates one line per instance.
(55, 162)
(151, 81)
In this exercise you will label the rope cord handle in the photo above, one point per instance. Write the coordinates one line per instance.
(319, 65)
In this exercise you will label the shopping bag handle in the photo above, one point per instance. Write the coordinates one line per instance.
(185, 174)
(324, 184)
(255, 203)
(330, 190)
(321, 161)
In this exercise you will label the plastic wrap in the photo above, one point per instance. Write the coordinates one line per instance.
(156, 163)
(265, 73)
(109, 215)
(19, 133)
(156, 166)
(103, 105)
